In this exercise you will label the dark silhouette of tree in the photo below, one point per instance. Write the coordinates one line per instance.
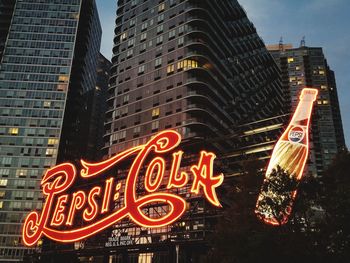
(319, 225)
(335, 202)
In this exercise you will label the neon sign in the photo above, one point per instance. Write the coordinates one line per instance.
(62, 205)
(289, 159)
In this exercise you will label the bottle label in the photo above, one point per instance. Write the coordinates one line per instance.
(296, 134)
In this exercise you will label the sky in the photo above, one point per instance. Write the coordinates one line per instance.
(324, 23)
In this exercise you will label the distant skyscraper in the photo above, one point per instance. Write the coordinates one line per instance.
(48, 65)
(96, 110)
(307, 67)
(199, 67)
(6, 11)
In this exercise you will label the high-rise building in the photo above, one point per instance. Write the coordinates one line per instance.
(96, 107)
(307, 67)
(198, 67)
(49, 63)
(6, 11)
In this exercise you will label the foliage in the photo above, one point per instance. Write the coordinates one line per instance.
(318, 229)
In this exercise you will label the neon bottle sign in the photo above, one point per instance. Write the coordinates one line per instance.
(62, 206)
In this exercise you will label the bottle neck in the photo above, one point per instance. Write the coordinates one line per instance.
(302, 113)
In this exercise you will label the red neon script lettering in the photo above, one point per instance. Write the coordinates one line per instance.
(60, 208)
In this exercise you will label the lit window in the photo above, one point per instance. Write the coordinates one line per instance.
(323, 87)
(155, 112)
(21, 173)
(52, 142)
(325, 102)
(187, 64)
(291, 79)
(161, 7)
(1, 204)
(170, 69)
(290, 60)
(2, 194)
(321, 72)
(297, 68)
(13, 131)
(3, 182)
(47, 104)
(63, 78)
(123, 36)
(62, 87)
(50, 152)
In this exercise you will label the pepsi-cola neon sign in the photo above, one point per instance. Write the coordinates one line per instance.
(62, 205)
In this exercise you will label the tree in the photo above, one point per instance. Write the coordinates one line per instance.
(318, 229)
(335, 201)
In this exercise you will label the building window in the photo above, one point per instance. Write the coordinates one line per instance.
(170, 69)
(3, 182)
(187, 64)
(160, 18)
(290, 60)
(47, 104)
(143, 36)
(159, 40)
(21, 173)
(144, 26)
(63, 78)
(160, 29)
(158, 63)
(155, 125)
(123, 36)
(134, 3)
(126, 99)
(131, 42)
(155, 113)
(143, 48)
(141, 69)
(137, 129)
(129, 53)
(180, 41)
(13, 131)
(172, 34)
(132, 22)
(50, 152)
(161, 7)
(52, 142)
